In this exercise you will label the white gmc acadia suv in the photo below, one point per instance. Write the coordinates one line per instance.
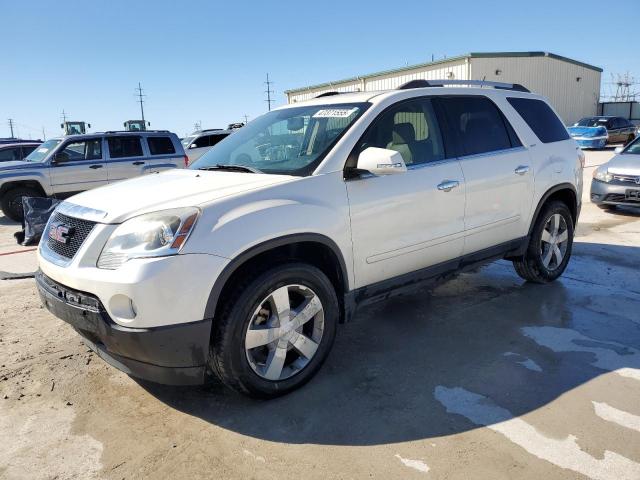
(244, 264)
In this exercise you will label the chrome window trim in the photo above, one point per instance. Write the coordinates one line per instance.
(492, 153)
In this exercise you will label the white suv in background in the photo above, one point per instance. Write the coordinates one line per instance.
(244, 264)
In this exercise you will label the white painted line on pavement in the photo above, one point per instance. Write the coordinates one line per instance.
(612, 414)
(564, 453)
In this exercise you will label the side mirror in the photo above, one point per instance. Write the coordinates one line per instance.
(619, 149)
(381, 161)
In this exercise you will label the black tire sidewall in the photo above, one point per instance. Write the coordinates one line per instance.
(534, 253)
(239, 316)
(5, 202)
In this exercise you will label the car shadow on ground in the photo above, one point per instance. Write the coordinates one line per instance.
(395, 369)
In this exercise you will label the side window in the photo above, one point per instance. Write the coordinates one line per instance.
(217, 138)
(26, 150)
(84, 150)
(540, 118)
(160, 145)
(410, 128)
(478, 124)
(122, 147)
(9, 154)
(204, 141)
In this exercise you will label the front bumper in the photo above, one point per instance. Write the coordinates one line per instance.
(172, 355)
(612, 194)
(591, 142)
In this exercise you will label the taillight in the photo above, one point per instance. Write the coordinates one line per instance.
(186, 161)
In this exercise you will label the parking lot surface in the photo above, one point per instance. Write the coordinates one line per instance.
(485, 376)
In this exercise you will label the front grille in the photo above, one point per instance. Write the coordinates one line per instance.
(631, 179)
(81, 230)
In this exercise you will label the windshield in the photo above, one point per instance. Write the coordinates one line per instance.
(592, 122)
(291, 141)
(633, 148)
(43, 151)
(187, 140)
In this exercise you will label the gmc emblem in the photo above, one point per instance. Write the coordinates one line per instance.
(60, 232)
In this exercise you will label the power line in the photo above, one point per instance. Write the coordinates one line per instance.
(268, 91)
(11, 127)
(140, 96)
(64, 116)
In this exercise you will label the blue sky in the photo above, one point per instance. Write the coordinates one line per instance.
(206, 61)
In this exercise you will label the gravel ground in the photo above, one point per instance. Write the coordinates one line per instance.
(483, 377)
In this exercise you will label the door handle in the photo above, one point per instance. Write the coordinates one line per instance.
(448, 185)
(521, 170)
(138, 163)
(95, 166)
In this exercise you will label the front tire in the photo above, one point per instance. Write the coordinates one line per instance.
(550, 245)
(11, 202)
(275, 330)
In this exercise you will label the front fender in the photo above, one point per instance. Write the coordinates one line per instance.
(17, 176)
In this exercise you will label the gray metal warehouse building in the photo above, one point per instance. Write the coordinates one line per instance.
(573, 87)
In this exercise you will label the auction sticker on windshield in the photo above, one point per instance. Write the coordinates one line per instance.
(335, 113)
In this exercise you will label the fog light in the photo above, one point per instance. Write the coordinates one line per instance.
(122, 307)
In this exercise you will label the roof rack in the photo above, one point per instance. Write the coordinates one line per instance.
(479, 83)
(327, 94)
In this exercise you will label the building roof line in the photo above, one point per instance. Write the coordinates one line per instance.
(442, 61)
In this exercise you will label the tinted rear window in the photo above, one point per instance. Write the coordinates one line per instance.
(541, 119)
(121, 147)
(478, 123)
(160, 145)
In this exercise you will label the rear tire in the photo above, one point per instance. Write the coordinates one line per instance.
(249, 351)
(11, 202)
(550, 245)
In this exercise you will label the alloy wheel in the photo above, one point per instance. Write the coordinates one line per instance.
(285, 332)
(554, 241)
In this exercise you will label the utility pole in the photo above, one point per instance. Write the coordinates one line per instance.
(268, 91)
(140, 96)
(64, 116)
(11, 127)
(246, 119)
(197, 126)
(44, 135)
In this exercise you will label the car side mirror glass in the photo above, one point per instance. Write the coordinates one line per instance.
(381, 161)
(619, 149)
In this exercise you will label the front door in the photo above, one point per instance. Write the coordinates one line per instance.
(406, 222)
(77, 166)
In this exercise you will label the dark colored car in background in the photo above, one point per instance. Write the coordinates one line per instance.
(16, 151)
(596, 132)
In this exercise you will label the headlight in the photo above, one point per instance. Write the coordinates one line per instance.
(602, 174)
(156, 234)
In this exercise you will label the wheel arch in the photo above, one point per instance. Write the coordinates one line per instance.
(564, 192)
(313, 248)
(35, 184)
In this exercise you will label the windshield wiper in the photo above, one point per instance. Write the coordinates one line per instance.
(232, 168)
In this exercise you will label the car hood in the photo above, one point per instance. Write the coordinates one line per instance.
(120, 201)
(627, 164)
(587, 131)
(18, 165)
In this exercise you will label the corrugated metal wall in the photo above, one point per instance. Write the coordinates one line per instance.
(555, 79)
(456, 69)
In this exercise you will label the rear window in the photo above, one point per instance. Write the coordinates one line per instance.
(478, 123)
(541, 119)
(121, 147)
(160, 145)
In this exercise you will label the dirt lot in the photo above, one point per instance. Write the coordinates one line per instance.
(484, 377)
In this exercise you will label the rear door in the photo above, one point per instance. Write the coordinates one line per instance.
(77, 166)
(163, 154)
(126, 157)
(496, 167)
(10, 154)
(409, 221)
